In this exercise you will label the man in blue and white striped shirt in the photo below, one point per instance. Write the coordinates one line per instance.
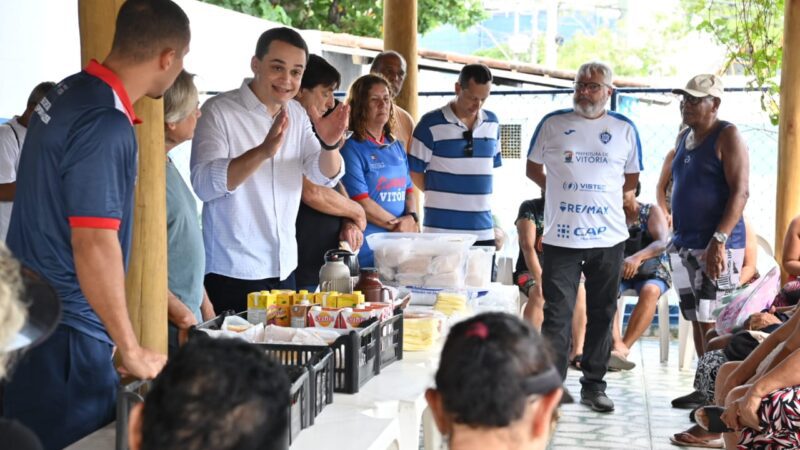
(453, 152)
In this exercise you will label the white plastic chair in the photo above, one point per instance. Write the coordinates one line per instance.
(764, 244)
(663, 319)
(686, 349)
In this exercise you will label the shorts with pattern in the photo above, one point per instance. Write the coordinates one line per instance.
(700, 295)
(706, 375)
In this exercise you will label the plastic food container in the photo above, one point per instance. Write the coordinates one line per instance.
(494, 298)
(431, 260)
(479, 266)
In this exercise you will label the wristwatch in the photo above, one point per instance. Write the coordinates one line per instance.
(329, 147)
(323, 144)
(414, 216)
(720, 237)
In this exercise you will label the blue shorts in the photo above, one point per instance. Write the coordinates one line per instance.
(637, 285)
(63, 389)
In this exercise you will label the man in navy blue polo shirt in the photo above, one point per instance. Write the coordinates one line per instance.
(72, 220)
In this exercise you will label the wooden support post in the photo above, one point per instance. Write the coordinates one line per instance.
(146, 279)
(787, 204)
(400, 35)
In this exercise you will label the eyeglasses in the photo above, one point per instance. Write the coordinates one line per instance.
(591, 87)
(692, 100)
(468, 150)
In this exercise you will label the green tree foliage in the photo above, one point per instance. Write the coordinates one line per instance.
(643, 55)
(752, 33)
(257, 8)
(358, 17)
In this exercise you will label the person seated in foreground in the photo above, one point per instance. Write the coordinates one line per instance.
(733, 349)
(760, 396)
(711, 372)
(645, 270)
(496, 386)
(220, 394)
(29, 312)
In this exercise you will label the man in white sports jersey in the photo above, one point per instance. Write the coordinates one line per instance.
(591, 156)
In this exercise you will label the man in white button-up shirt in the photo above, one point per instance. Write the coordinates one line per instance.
(251, 149)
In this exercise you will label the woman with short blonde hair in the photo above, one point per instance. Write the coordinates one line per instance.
(187, 300)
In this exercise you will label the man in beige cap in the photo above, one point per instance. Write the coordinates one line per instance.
(710, 172)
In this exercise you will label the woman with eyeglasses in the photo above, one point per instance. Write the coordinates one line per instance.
(496, 386)
(377, 174)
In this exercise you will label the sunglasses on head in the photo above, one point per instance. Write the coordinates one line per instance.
(468, 150)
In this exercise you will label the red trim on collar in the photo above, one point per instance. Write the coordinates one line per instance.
(376, 142)
(105, 74)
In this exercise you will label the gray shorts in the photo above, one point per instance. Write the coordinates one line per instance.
(699, 295)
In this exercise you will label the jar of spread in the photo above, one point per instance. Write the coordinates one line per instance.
(371, 286)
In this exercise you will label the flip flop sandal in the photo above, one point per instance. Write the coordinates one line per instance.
(690, 440)
(709, 418)
(575, 363)
(691, 415)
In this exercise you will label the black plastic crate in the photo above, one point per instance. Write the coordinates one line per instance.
(391, 339)
(320, 364)
(356, 355)
(300, 400)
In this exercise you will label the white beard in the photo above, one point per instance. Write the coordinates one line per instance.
(590, 111)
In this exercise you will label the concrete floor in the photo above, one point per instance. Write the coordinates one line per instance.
(643, 418)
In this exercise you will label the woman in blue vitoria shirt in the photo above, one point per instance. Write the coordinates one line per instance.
(377, 174)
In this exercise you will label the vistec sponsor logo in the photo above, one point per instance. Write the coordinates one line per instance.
(577, 208)
(574, 186)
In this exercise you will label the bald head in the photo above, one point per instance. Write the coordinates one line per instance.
(392, 66)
